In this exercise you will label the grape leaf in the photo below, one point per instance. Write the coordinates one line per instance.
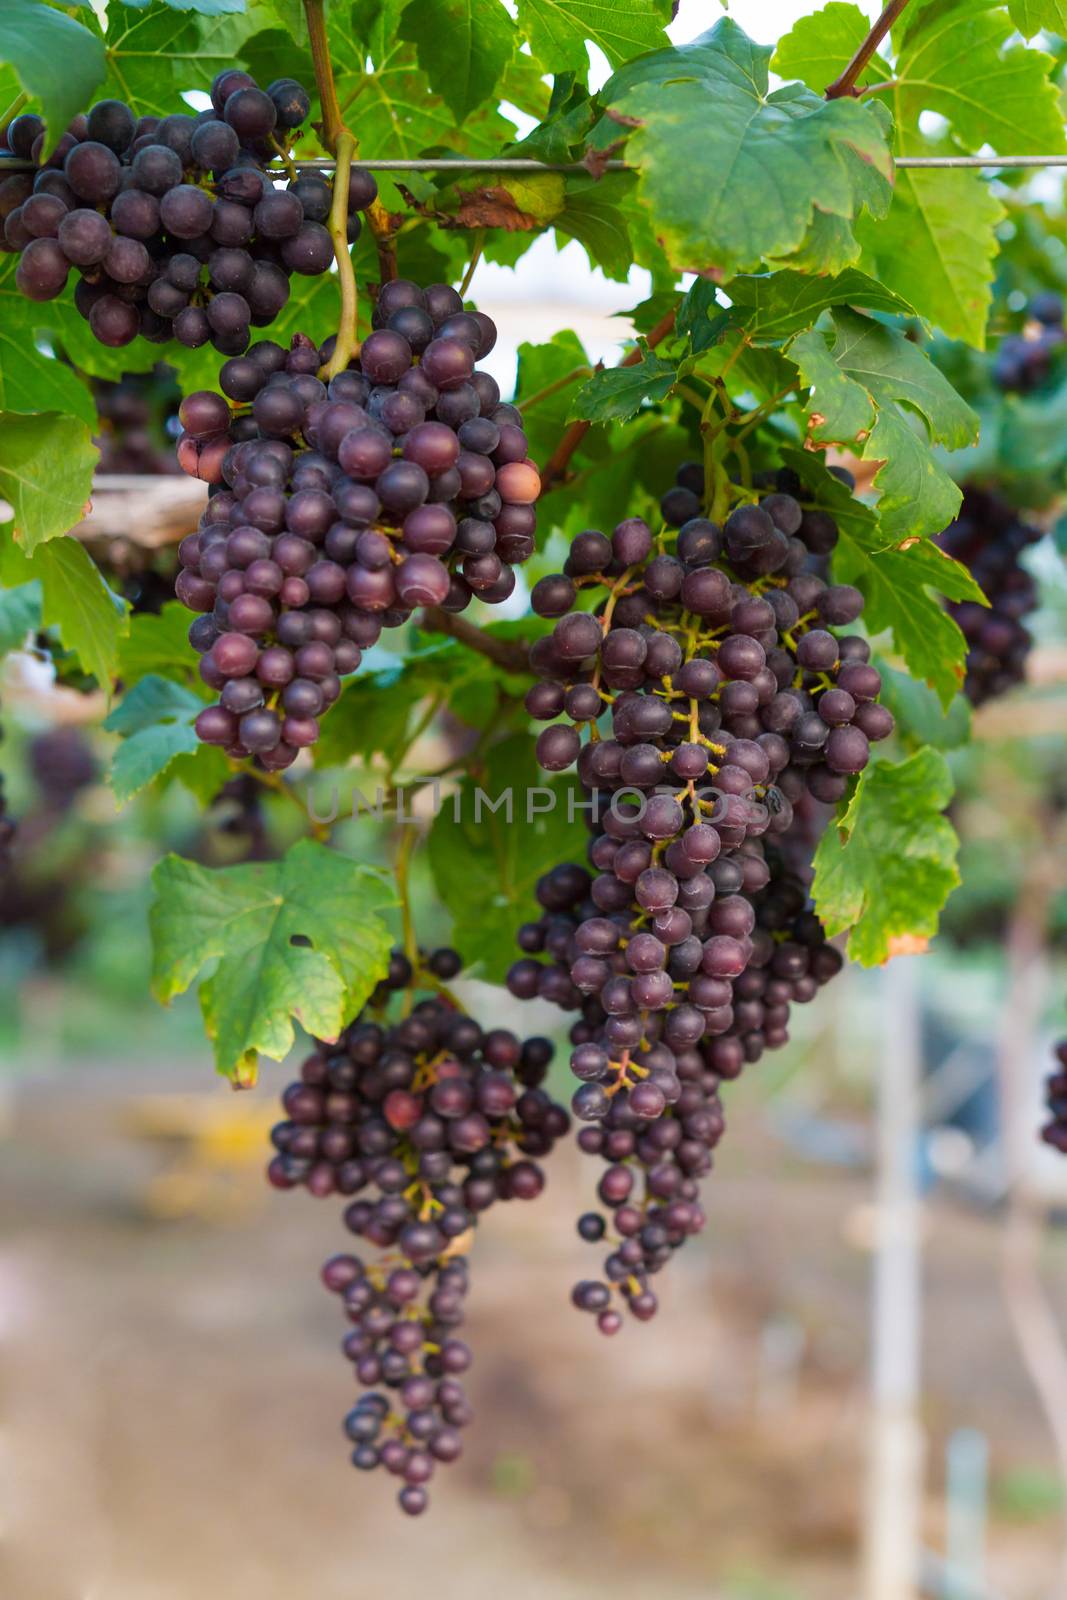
(159, 643)
(864, 389)
(558, 31)
(730, 173)
(953, 61)
(206, 8)
(618, 393)
(155, 720)
(486, 863)
(46, 473)
(463, 47)
(920, 717)
(75, 600)
(937, 247)
(30, 381)
(1031, 16)
(371, 717)
(887, 868)
(817, 48)
(540, 367)
(773, 305)
(155, 56)
(58, 62)
(20, 615)
(594, 213)
(899, 585)
(297, 938)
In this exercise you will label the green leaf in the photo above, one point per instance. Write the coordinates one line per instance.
(900, 585)
(919, 714)
(619, 392)
(58, 62)
(486, 863)
(206, 8)
(865, 388)
(29, 380)
(155, 720)
(1031, 16)
(558, 29)
(155, 56)
(20, 615)
(540, 367)
(297, 938)
(953, 61)
(773, 305)
(463, 47)
(887, 868)
(46, 474)
(371, 717)
(937, 247)
(75, 600)
(159, 643)
(594, 213)
(731, 174)
(817, 48)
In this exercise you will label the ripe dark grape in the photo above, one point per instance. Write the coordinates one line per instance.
(688, 938)
(420, 1125)
(348, 504)
(989, 537)
(1055, 1130)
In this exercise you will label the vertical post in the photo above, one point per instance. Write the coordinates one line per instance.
(966, 1492)
(895, 1467)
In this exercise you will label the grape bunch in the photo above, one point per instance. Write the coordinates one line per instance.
(427, 1122)
(734, 714)
(136, 415)
(340, 507)
(1024, 360)
(988, 537)
(174, 225)
(1055, 1130)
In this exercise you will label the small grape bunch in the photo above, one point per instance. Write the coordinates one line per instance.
(1055, 1130)
(989, 537)
(339, 507)
(173, 224)
(1024, 361)
(425, 1123)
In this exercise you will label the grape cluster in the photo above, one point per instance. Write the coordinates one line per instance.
(173, 224)
(427, 1122)
(718, 711)
(137, 413)
(339, 508)
(988, 537)
(1024, 360)
(1055, 1130)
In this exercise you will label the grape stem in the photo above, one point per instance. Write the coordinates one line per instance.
(845, 84)
(509, 654)
(20, 102)
(558, 462)
(347, 339)
(332, 121)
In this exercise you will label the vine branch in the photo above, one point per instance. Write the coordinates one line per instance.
(347, 340)
(508, 654)
(845, 84)
(559, 460)
(332, 120)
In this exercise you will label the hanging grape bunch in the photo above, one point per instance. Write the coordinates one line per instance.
(988, 537)
(341, 507)
(1055, 1130)
(173, 224)
(731, 703)
(428, 1122)
(1025, 360)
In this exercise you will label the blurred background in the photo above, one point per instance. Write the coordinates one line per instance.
(873, 1311)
